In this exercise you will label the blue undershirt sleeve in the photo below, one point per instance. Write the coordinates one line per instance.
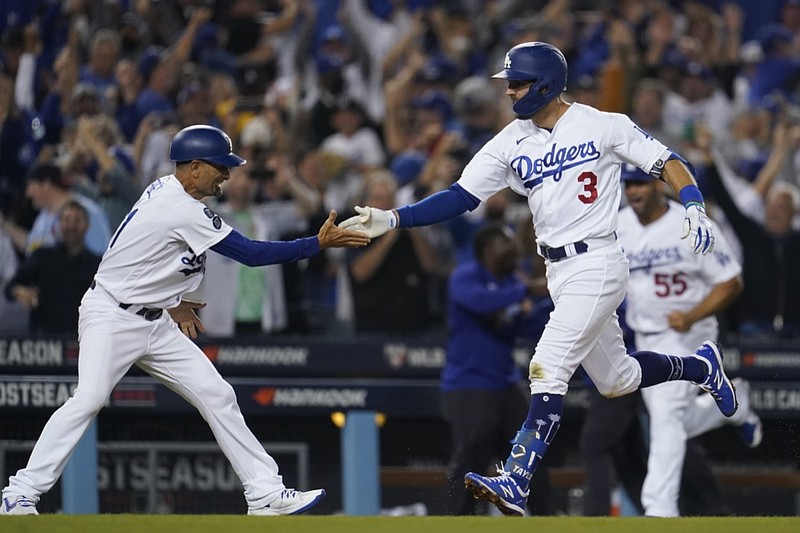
(438, 207)
(260, 253)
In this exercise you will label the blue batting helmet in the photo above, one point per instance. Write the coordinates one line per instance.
(541, 63)
(204, 143)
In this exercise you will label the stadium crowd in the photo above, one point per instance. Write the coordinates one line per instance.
(331, 101)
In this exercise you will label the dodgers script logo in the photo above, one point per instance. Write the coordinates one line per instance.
(194, 263)
(553, 163)
(649, 258)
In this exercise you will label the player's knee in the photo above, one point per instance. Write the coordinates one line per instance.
(620, 388)
(219, 395)
(90, 399)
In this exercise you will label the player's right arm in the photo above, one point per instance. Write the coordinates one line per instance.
(438, 207)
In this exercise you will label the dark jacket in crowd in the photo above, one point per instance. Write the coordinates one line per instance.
(771, 294)
(62, 280)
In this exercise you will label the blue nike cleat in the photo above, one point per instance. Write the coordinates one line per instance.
(717, 383)
(503, 491)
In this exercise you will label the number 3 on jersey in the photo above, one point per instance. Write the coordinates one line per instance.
(589, 180)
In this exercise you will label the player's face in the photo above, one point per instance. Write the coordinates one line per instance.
(643, 197)
(518, 89)
(209, 177)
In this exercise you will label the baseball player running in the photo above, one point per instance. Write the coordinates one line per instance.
(156, 256)
(566, 158)
(672, 298)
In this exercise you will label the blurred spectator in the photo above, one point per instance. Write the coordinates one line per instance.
(160, 68)
(52, 281)
(194, 104)
(129, 84)
(151, 147)
(14, 317)
(60, 104)
(770, 302)
(250, 301)
(376, 35)
(647, 111)
(776, 74)
(476, 107)
(101, 169)
(336, 72)
(490, 307)
(16, 147)
(698, 99)
(49, 191)
(98, 71)
(391, 273)
(358, 146)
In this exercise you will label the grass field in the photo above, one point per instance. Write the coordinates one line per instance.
(377, 524)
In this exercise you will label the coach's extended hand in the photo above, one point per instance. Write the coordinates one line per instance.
(331, 236)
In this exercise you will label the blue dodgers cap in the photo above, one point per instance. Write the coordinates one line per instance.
(634, 173)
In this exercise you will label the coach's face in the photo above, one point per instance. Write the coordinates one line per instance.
(207, 178)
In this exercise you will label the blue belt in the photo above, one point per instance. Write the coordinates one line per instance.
(557, 254)
(148, 313)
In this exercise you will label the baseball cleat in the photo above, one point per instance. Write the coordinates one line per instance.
(290, 501)
(503, 491)
(717, 383)
(750, 430)
(18, 505)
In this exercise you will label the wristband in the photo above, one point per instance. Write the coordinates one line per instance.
(392, 219)
(691, 195)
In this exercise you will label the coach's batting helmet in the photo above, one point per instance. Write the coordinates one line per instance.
(204, 143)
(542, 64)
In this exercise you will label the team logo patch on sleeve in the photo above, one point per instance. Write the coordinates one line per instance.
(217, 222)
(209, 213)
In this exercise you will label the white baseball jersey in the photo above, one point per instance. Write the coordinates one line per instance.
(158, 252)
(571, 175)
(665, 275)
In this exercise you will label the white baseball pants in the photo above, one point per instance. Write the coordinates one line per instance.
(583, 328)
(677, 413)
(111, 340)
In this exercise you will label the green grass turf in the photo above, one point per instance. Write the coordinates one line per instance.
(378, 524)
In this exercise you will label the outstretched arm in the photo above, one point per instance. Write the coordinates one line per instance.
(260, 253)
(438, 207)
